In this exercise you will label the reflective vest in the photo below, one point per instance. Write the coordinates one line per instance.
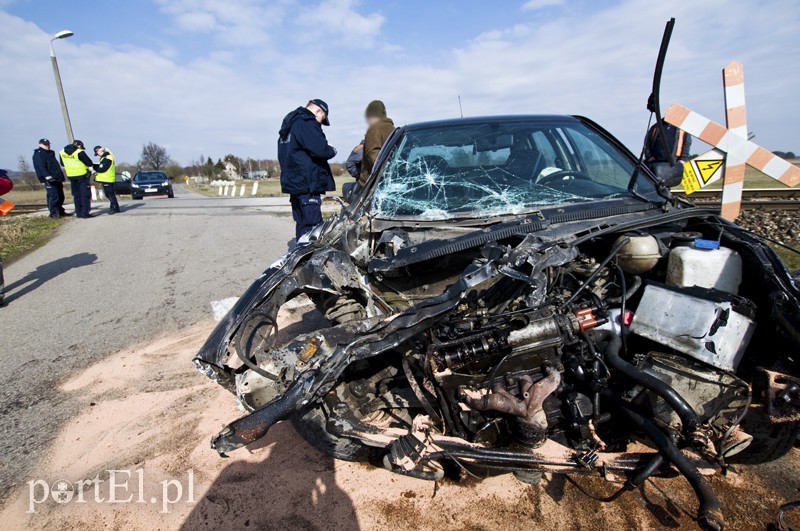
(73, 166)
(110, 175)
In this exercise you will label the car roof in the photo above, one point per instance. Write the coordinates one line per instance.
(491, 119)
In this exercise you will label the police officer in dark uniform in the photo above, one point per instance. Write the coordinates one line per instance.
(303, 153)
(49, 173)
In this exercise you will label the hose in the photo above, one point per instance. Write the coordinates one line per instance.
(710, 511)
(589, 281)
(631, 484)
(688, 416)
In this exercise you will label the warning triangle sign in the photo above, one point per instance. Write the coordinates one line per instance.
(707, 169)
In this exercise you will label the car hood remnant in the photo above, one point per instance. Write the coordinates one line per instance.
(471, 306)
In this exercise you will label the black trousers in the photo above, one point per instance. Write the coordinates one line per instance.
(55, 197)
(306, 212)
(2, 283)
(108, 189)
(82, 195)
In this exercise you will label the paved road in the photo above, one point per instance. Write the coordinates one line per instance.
(108, 282)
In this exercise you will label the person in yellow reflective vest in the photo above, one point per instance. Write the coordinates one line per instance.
(107, 175)
(77, 165)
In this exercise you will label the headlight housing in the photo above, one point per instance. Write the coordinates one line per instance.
(134, 185)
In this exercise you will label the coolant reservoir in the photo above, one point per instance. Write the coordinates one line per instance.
(710, 267)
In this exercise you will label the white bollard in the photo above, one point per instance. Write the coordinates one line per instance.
(255, 188)
(227, 191)
(233, 190)
(241, 191)
(94, 193)
(220, 191)
(101, 194)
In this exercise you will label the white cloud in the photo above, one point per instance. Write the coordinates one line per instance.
(532, 5)
(341, 18)
(234, 22)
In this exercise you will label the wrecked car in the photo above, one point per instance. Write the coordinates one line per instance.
(520, 295)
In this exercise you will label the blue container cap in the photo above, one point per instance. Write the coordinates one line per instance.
(706, 244)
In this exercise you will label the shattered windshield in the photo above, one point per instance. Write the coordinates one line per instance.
(494, 168)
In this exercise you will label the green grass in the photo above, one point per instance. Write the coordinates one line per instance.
(21, 234)
(266, 188)
(791, 259)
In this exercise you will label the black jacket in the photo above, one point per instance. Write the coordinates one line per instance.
(303, 153)
(353, 164)
(46, 165)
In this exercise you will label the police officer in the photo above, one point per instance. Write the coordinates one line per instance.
(77, 166)
(107, 174)
(49, 173)
(303, 153)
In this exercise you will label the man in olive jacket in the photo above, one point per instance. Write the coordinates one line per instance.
(380, 127)
(303, 153)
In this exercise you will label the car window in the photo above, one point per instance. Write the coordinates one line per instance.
(597, 159)
(151, 176)
(483, 169)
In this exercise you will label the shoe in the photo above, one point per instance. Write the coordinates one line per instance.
(3, 303)
(55, 216)
(66, 214)
(112, 212)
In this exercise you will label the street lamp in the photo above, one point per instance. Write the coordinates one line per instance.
(61, 35)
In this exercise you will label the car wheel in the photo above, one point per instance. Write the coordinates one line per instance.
(771, 441)
(311, 425)
(171, 194)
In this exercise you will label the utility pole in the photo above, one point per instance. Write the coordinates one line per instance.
(61, 35)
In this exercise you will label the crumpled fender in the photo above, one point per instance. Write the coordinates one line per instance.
(210, 358)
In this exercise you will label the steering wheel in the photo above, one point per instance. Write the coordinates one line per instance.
(562, 175)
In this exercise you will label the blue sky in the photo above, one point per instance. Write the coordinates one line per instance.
(211, 77)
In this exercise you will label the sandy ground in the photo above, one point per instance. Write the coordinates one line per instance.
(146, 413)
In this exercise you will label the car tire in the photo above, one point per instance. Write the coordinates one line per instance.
(771, 441)
(311, 425)
(171, 195)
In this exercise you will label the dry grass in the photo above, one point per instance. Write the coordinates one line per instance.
(21, 234)
(20, 196)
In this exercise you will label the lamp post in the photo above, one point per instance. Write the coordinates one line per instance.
(61, 35)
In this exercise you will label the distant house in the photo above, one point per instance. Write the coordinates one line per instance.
(230, 172)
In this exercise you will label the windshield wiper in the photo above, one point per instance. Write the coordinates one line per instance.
(654, 105)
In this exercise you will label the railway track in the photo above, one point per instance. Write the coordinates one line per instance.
(763, 199)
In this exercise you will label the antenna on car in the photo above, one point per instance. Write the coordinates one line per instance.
(460, 109)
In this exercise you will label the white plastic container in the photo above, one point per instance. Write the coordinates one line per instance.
(708, 268)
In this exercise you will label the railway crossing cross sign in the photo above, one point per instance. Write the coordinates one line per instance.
(732, 150)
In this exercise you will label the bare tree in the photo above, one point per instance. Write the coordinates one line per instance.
(154, 157)
(26, 176)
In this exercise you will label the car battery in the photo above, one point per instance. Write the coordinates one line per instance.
(709, 325)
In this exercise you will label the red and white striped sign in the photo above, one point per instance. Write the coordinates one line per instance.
(732, 140)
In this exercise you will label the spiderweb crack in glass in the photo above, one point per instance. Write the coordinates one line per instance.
(479, 170)
(417, 188)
